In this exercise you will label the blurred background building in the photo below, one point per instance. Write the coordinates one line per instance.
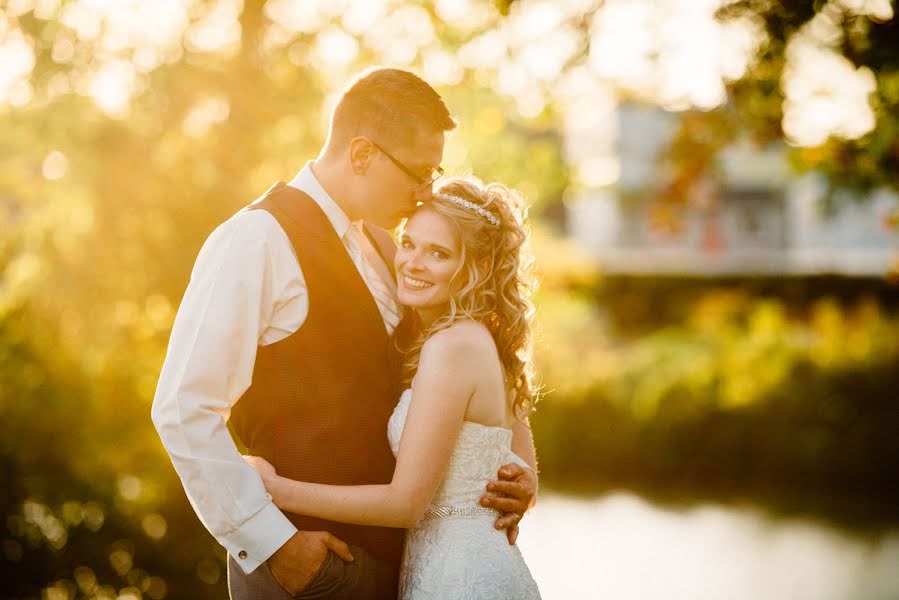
(753, 218)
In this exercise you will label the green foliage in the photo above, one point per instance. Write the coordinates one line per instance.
(96, 251)
(95, 254)
(755, 108)
(731, 391)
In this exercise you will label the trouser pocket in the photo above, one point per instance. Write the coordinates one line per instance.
(339, 580)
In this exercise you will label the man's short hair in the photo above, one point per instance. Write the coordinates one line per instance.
(390, 106)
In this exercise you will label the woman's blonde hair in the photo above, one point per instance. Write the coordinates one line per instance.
(493, 284)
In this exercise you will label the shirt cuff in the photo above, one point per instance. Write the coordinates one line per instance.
(258, 538)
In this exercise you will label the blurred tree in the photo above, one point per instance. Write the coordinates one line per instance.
(131, 129)
(801, 52)
(755, 109)
(126, 143)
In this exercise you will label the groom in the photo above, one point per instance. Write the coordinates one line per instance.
(285, 328)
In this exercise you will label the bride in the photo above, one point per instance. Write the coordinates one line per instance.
(463, 269)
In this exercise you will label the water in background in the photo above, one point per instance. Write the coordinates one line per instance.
(621, 547)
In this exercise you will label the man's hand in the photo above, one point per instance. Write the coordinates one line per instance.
(295, 564)
(514, 494)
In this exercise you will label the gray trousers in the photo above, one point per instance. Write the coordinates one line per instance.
(364, 578)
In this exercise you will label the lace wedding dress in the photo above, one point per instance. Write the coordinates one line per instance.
(455, 552)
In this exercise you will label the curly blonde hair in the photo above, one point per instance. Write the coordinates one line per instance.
(496, 277)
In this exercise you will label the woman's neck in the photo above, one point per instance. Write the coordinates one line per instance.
(428, 315)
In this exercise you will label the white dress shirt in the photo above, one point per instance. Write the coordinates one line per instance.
(246, 290)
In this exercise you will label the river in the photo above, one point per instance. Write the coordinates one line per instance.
(622, 547)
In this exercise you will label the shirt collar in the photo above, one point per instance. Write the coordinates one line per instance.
(305, 181)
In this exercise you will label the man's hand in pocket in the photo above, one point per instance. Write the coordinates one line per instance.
(295, 563)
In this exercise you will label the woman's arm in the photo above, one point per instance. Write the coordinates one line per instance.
(444, 383)
(523, 443)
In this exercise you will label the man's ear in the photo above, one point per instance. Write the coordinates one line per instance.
(362, 153)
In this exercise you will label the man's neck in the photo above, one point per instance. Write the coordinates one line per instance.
(333, 184)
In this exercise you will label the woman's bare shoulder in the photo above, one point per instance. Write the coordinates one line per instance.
(461, 338)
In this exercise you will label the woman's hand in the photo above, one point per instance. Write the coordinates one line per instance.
(266, 472)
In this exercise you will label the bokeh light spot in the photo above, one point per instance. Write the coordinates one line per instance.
(55, 165)
(155, 526)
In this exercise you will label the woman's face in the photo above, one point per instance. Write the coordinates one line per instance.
(426, 261)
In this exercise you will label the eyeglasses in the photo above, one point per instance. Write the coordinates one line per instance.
(421, 182)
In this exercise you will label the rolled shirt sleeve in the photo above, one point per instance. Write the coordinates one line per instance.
(225, 311)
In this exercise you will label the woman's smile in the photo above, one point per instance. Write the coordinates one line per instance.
(416, 284)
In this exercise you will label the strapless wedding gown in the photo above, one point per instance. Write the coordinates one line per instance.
(455, 552)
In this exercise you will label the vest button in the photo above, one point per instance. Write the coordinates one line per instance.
(242, 554)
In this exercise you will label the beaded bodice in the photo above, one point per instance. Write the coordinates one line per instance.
(479, 452)
(455, 552)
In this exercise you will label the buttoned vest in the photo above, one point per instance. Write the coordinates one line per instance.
(319, 401)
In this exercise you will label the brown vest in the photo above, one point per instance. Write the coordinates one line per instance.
(319, 402)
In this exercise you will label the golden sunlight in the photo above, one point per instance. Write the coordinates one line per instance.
(825, 94)
(112, 85)
(672, 52)
(709, 189)
(16, 62)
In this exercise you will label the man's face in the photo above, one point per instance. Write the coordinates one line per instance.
(392, 194)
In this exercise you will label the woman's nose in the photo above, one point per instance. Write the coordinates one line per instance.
(414, 262)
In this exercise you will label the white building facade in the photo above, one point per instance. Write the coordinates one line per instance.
(763, 220)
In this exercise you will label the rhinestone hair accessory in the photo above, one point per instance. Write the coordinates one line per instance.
(471, 206)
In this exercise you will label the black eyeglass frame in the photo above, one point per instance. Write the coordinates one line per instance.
(421, 182)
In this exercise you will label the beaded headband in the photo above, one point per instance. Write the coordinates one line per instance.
(471, 206)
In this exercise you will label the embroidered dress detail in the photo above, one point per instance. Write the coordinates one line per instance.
(457, 553)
